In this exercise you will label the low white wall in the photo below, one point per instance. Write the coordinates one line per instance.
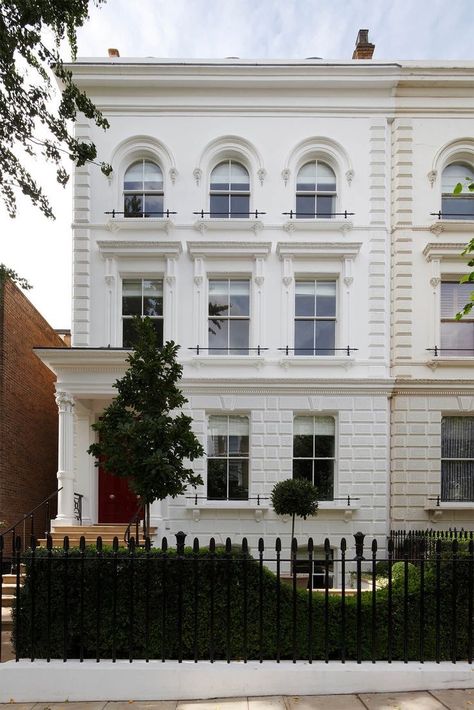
(75, 681)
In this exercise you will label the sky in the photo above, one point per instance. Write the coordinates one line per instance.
(40, 249)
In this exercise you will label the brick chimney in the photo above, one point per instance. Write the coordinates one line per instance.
(113, 52)
(363, 49)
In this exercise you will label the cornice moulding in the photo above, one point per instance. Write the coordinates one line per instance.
(437, 250)
(317, 225)
(147, 224)
(320, 250)
(134, 248)
(228, 249)
(228, 225)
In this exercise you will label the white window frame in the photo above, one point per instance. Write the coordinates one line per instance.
(315, 280)
(315, 193)
(335, 459)
(230, 192)
(452, 458)
(143, 193)
(228, 415)
(140, 277)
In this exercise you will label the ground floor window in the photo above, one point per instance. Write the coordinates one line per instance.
(457, 459)
(314, 453)
(322, 566)
(228, 458)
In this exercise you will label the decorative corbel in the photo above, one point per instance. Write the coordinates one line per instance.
(432, 175)
(285, 175)
(173, 175)
(261, 174)
(350, 176)
(197, 174)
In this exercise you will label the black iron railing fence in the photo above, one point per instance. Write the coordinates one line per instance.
(415, 544)
(240, 603)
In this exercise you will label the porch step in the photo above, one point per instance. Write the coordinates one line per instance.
(90, 533)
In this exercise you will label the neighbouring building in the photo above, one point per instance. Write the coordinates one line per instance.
(291, 225)
(28, 412)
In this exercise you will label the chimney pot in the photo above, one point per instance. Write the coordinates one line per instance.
(363, 49)
(113, 52)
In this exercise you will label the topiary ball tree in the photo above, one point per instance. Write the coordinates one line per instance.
(295, 497)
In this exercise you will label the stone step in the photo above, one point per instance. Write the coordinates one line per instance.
(7, 600)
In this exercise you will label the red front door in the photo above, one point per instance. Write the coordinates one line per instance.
(117, 503)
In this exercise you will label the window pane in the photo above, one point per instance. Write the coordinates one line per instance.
(239, 177)
(326, 178)
(217, 479)
(305, 206)
(457, 437)
(128, 333)
(453, 297)
(324, 426)
(158, 326)
(133, 179)
(218, 336)
(217, 436)
(239, 298)
(302, 468)
(324, 479)
(454, 173)
(218, 297)
(153, 177)
(305, 298)
(457, 480)
(304, 426)
(325, 337)
(304, 337)
(220, 176)
(326, 298)
(153, 206)
(325, 206)
(306, 180)
(239, 337)
(238, 426)
(324, 446)
(303, 445)
(131, 298)
(457, 338)
(239, 206)
(219, 206)
(152, 298)
(458, 207)
(133, 205)
(238, 479)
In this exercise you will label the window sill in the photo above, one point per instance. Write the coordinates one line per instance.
(232, 505)
(338, 507)
(145, 224)
(317, 360)
(446, 361)
(436, 511)
(452, 225)
(318, 225)
(233, 360)
(229, 224)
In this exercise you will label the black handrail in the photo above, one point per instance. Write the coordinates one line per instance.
(140, 514)
(259, 498)
(230, 214)
(295, 213)
(31, 515)
(142, 213)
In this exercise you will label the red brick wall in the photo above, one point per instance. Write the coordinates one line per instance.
(28, 412)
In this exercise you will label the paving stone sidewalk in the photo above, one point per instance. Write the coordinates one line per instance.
(432, 700)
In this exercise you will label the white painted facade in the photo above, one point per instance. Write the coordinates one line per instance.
(387, 130)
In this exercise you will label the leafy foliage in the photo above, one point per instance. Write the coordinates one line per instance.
(295, 497)
(30, 35)
(468, 278)
(141, 435)
(174, 606)
(6, 273)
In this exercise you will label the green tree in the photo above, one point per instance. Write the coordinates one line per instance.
(31, 32)
(6, 273)
(142, 435)
(468, 278)
(295, 497)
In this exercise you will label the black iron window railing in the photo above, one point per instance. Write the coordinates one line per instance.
(231, 215)
(78, 498)
(258, 498)
(296, 214)
(141, 213)
(198, 349)
(233, 603)
(438, 351)
(446, 214)
(316, 351)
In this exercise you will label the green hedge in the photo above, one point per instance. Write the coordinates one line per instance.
(164, 579)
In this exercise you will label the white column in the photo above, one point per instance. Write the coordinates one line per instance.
(65, 474)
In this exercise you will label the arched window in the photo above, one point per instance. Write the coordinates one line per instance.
(315, 191)
(143, 190)
(230, 190)
(459, 206)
